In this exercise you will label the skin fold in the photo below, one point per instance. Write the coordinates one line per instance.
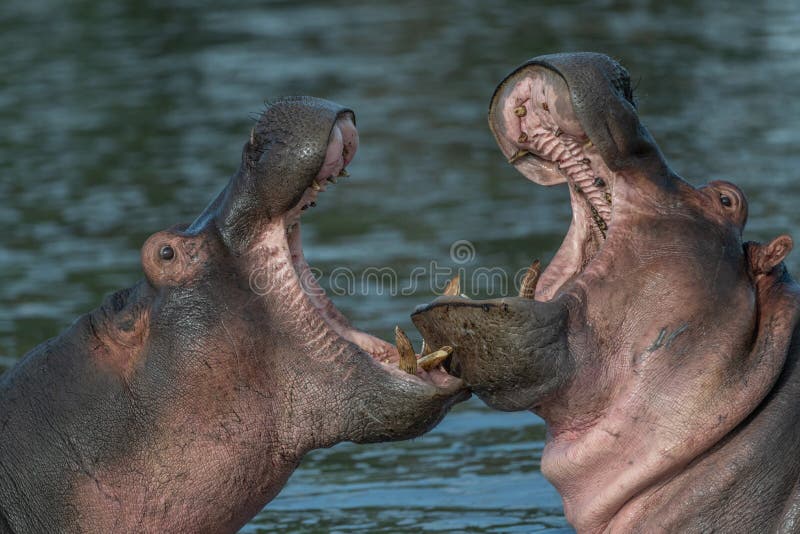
(659, 347)
(183, 403)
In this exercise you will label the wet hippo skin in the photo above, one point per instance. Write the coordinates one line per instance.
(659, 346)
(183, 403)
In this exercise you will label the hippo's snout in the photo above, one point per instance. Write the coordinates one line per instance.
(511, 352)
(297, 144)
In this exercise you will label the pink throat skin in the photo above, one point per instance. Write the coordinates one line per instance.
(537, 126)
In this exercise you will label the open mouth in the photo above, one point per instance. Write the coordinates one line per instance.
(534, 122)
(307, 300)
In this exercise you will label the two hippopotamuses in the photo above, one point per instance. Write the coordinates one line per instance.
(658, 345)
(183, 403)
(660, 348)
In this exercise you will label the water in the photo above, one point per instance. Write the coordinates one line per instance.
(123, 118)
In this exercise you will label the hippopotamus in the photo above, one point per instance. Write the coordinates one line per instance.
(183, 403)
(660, 348)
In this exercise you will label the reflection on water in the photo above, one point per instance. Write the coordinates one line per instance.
(123, 118)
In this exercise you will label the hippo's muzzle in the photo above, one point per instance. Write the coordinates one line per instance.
(501, 346)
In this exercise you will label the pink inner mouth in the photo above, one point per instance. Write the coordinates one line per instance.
(538, 131)
(304, 297)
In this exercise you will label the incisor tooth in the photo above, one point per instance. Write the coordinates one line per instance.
(332, 179)
(527, 289)
(453, 287)
(518, 154)
(343, 173)
(520, 111)
(408, 360)
(434, 359)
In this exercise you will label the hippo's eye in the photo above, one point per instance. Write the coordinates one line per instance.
(166, 253)
(725, 200)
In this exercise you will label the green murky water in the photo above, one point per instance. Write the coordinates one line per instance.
(123, 118)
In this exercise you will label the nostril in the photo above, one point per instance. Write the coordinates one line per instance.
(166, 253)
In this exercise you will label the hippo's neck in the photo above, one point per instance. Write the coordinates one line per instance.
(213, 481)
(748, 482)
(146, 450)
(683, 411)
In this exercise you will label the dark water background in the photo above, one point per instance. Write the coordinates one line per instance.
(118, 119)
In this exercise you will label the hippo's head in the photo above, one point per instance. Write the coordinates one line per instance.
(655, 329)
(229, 345)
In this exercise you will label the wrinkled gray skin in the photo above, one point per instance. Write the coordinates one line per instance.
(660, 348)
(184, 403)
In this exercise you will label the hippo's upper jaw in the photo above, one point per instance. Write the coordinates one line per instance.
(657, 345)
(184, 403)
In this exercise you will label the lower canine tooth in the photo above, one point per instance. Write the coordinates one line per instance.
(343, 173)
(434, 359)
(315, 186)
(527, 289)
(332, 179)
(408, 360)
(453, 287)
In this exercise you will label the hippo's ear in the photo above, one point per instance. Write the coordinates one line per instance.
(764, 258)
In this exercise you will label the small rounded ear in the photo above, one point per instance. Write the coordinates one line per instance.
(764, 258)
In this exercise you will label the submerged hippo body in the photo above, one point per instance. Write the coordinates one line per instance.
(184, 403)
(660, 348)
